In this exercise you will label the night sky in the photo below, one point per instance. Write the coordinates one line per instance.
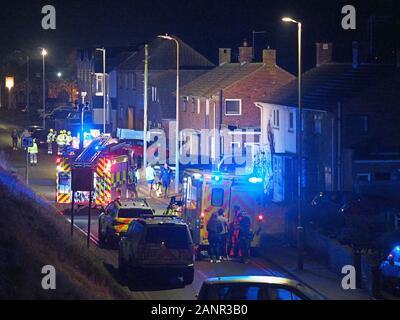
(205, 25)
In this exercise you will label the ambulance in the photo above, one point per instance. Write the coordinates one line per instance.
(205, 192)
(110, 163)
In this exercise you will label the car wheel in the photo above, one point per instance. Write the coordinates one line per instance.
(188, 277)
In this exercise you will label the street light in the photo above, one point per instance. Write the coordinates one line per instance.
(59, 74)
(300, 229)
(104, 87)
(9, 86)
(44, 54)
(167, 37)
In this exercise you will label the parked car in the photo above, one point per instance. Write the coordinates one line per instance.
(390, 270)
(243, 288)
(41, 137)
(116, 217)
(160, 245)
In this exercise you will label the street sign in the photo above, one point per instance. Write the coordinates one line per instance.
(27, 142)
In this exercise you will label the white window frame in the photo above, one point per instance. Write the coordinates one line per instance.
(99, 85)
(291, 115)
(276, 118)
(207, 107)
(198, 106)
(240, 108)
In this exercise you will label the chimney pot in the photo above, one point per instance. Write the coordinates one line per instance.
(245, 53)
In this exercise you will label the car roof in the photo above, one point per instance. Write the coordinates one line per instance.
(161, 220)
(310, 293)
(132, 203)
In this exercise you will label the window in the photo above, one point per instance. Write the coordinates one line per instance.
(363, 177)
(291, 121)
(154, 96)
(233, 107)
(275, 117)
(317, 124)
(126, 81)
(198, 106)
(193, 105)
(120, 84)
(185, 103)
(207, 107)
(174, 237)
(132, 76)
(133, 213)
(357, 125)
(217, 197)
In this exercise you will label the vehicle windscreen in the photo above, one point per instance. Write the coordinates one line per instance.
(132, 213)
(174, 237)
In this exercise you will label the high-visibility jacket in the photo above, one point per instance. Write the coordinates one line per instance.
(50, 137)
(68, 139)
(34, 149)
(60, 140)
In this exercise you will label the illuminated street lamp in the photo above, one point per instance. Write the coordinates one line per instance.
(59, 74)
(167, 37)
(300, 229)
(9, 86)
(44, 54)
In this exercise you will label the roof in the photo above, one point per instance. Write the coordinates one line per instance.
(132, 203)
(162, 56)
(266, 280)
(221, 77)
(158, 220)
(324, 86)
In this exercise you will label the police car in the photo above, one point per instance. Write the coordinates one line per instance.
(390, 270)
(116, 217)
(160, 245)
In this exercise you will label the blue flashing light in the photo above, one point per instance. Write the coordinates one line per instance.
(217, 178)
(255, 180)
(397, 249)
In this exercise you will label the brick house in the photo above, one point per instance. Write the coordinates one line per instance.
(350, 135)
(224, 97)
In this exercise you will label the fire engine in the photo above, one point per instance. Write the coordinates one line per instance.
(110, 162)
(205, 192)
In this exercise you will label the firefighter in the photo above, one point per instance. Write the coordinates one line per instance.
(68, 139)
(50, 139)
(33, 152)
(60, 142)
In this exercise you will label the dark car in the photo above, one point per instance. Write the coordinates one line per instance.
(244, 288)
(41, 137)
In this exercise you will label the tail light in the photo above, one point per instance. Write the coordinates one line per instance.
(58, 161)
(202, 215)
(260, 218)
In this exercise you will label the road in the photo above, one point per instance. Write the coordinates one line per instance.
(42, 180)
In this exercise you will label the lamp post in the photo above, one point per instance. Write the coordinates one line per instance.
(9, 86)
(167, 37)
(44, 54)
(300, 228)
(103, 50)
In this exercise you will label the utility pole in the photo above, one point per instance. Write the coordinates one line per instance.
(145, 121)
(103, 50)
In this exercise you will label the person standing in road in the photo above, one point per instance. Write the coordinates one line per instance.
(50, 139)
(150, 176)
(214, 228)
(15, 137)
(244, 237)
(60, 142)
(223, 236)
(165, 178)
(33, 153)
(133, 179)
(233, 232)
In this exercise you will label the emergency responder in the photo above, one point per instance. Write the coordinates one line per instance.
(223, 235)
(165, 178)
(60, 142)
(15, 138)
(50, 139)
(33, 152)
(133, 179)
(214, 227)
(68, 139)
(244, 237)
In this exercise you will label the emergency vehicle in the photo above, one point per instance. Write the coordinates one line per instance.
(205, 192)
(110, 164)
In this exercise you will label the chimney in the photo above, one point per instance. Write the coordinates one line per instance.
(269, 57)
(324, 53)
(224, 55)
(359, 53)
(245, 53)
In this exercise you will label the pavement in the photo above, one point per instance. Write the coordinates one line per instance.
(277, 260)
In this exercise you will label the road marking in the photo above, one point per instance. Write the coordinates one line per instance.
(262, 268)
(202, 274)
